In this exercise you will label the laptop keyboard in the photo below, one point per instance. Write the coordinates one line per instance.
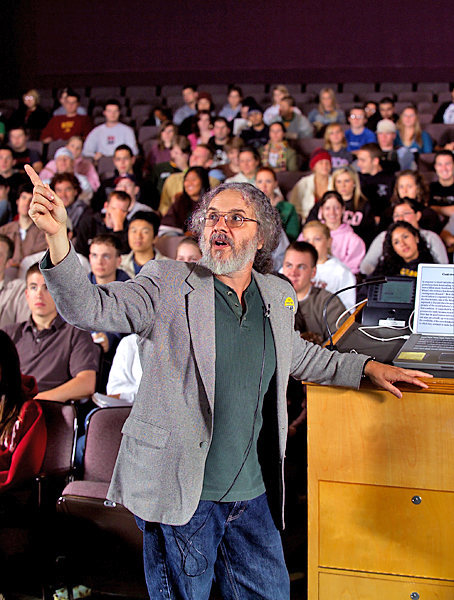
(427, 342)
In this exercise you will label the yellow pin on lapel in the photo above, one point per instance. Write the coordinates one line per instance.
(289, 303)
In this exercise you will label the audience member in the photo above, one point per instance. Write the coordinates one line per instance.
(158, 115)
(23, 434)
(358, 134)
(386, 110)
(332, 275)
(188, 250)
(394, 158)
(189, 108)
(271, 114)
(442, 191)
(300, 267)
(21, 153)
(202, 129)
(126, 372)
(128, 184)
(64, 163)
(62, 96)
(160, 151)
(62, 127)
(409, 132)
(232, 108)
(13, 178)
(248, 161)
(233, 154)
(296, 124)
(404, 209)
(403, 249)
(257, 135)
(277, 153)
(445, 112)
(204, 102)
(376, 183)
(327, 112)
(358, 211)
(447, 234)
(201, 156)
(67, 187)
(411, 184)
(82, 166)
(370, 108)
(113, 221)
(13, 305)
(30, 115)
(241, 121)
(266, 181)
(346, 245)
(179, 160)
(63, 359)
(221, 136)
(24, 234)
(103, 139)
(195, 184)
(142, 231)
(336, 144)
(309, 189)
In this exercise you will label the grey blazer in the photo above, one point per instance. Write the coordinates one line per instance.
(160, 466)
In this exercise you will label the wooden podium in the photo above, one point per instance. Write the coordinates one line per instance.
(381, 493)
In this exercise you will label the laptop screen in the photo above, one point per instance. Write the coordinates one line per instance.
(434, 304)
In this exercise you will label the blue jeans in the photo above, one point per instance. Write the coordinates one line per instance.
(235, 542)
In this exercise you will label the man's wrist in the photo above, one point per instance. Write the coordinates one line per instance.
(365, 368)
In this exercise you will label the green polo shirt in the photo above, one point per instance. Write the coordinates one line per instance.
(232, 470)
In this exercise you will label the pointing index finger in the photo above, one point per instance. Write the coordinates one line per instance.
(34, 177)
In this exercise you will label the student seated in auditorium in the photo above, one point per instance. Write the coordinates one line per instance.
(300, 267)
(160, 150)
(128, 183)
(309, 189)
(62, 127)
(179, 161)
(24, 234)
(346, 245)
(327, 112)
(103, 139)
(17, 140)
(232, 107)
(195, 185)
(409, 132)
(296, 124)
(332, 275)
(188, 250)
(23, 433)
(63, 359)
(189, 93)
(249, 162)
(82, 166)
(376, 183)
(411, 184)
(201, 156)
(67, 187)
(277, 153)
(257, 135)
(13, 178)
(442, 191)
(13, 304)
(395, 158)
(386, 110)
(113, 221)
(404, 209)
(142, 231)
(404, 248)
(358, 134)
(336, 144)
(205, 103)
(64, 163)
(271, 114)
(222, 135)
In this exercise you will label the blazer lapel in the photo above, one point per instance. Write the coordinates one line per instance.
(201, 320)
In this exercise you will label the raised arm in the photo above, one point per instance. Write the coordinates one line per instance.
(49, 214)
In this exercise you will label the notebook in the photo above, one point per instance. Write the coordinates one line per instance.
(431, 346)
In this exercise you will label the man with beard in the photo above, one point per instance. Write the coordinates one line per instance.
(200, 464)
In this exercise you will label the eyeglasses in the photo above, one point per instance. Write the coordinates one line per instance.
(401, 216)
(232, 220)
(356, 116)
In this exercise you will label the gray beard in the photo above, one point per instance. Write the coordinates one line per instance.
(239, 258)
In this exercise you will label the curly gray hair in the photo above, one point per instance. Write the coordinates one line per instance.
(269, 222)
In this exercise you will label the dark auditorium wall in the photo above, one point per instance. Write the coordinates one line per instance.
(172, 41)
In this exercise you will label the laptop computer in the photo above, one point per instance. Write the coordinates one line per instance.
(431, 346)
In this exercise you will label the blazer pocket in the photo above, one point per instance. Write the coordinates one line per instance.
(146, 432)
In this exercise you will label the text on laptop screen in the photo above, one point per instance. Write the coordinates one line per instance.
(434, 307)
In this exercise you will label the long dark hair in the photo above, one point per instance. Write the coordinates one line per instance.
(11, 393)
(202, 174)
(391, 263)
